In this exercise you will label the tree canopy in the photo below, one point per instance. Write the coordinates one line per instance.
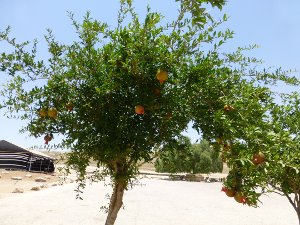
(274, 165)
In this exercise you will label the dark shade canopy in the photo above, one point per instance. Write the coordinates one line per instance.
(15, 157)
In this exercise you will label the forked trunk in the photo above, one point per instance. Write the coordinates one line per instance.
(295, 203)
(116, 202)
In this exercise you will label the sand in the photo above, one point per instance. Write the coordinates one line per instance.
(8, 185)
(154, 202)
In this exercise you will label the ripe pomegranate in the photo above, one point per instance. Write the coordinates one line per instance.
(228, 108)
(259, 158)
(240, 198)
(52, 112)
(161, 76)
(47, 138)
(139, 109)
(228, 192)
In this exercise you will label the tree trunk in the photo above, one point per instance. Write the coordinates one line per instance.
(115, 202)
(295, 203)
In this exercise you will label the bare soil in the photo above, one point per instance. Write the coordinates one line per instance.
(8, 185)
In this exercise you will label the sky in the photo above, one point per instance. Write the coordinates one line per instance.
(271, 24)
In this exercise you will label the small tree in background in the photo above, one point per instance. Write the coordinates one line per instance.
(204, 159)
(199, 159)
(184, 157)
(174, 156)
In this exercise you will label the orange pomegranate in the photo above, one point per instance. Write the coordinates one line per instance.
(139, 109)
(161, 76)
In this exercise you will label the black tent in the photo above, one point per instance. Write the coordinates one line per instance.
(15, 157)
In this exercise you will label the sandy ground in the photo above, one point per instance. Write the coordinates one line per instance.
(8, 185)
(154, 202)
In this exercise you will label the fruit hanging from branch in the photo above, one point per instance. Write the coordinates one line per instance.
(43, 112)
(52, 113)
(228, 192)
(259, 158)
(139, 109)
(240, 198)
(161, 76)
(228, 108)
(47, 138)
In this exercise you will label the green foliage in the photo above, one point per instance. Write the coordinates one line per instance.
(174, 156)
(198, 11)
(104, 75)
(277, 140)
(108, 71)
(182, 156)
